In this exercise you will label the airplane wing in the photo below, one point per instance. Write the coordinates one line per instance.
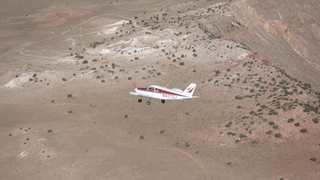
(136, 94)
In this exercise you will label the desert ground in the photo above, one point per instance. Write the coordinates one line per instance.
(66, 70)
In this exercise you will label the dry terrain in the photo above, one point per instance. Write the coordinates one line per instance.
(66, 69)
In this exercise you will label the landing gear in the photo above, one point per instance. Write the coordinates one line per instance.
(163, 101)
(149, 102)
(140, 100)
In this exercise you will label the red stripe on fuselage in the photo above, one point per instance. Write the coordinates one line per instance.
(161, 91)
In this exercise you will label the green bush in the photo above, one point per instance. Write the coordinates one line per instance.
(269, 132)
(229, 124)
(242, 136)
(303, 130)
(277, 135)
(271, 123)
(297, 124)
(69, 95)
(290, 120)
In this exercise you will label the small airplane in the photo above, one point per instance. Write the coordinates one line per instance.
(163, 93)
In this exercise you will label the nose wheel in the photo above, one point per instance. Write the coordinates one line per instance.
(149, 102)
(140, 100)
(163, 101)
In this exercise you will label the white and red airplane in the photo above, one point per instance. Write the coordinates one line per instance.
(163, 93)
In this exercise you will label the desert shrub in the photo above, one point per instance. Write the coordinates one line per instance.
(297, 124)
(269, 132)
(129, 78)
(162, 131)
(159, 73)
(64, 79)
(238, 97)
(181, 63)
(69, 95)
(309, 108)
(273, 112)
(229, 124)
(290, 120)
(271, 123)
(313, 159)
(141, 137)
(303, 130)
(315, 120)
(84, 61)
(231, 133)
(50, 130)
(70, 111)
(242, 136)
(125, 116)
(187, 144)
(277, 135)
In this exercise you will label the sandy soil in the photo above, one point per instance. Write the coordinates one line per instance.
(66, 70)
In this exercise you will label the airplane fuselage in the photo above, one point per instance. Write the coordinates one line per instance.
(163, 93)
(160, 93)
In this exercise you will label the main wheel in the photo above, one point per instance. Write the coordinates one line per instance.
(163, 101)
(148, 102)
(139, 100)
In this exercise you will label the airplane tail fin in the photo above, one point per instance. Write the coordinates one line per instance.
(190, 90)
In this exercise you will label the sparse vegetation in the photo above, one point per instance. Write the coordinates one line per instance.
(290, 120)
(278, 135)
(303, 130)
(229, 124)
(315, 120)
